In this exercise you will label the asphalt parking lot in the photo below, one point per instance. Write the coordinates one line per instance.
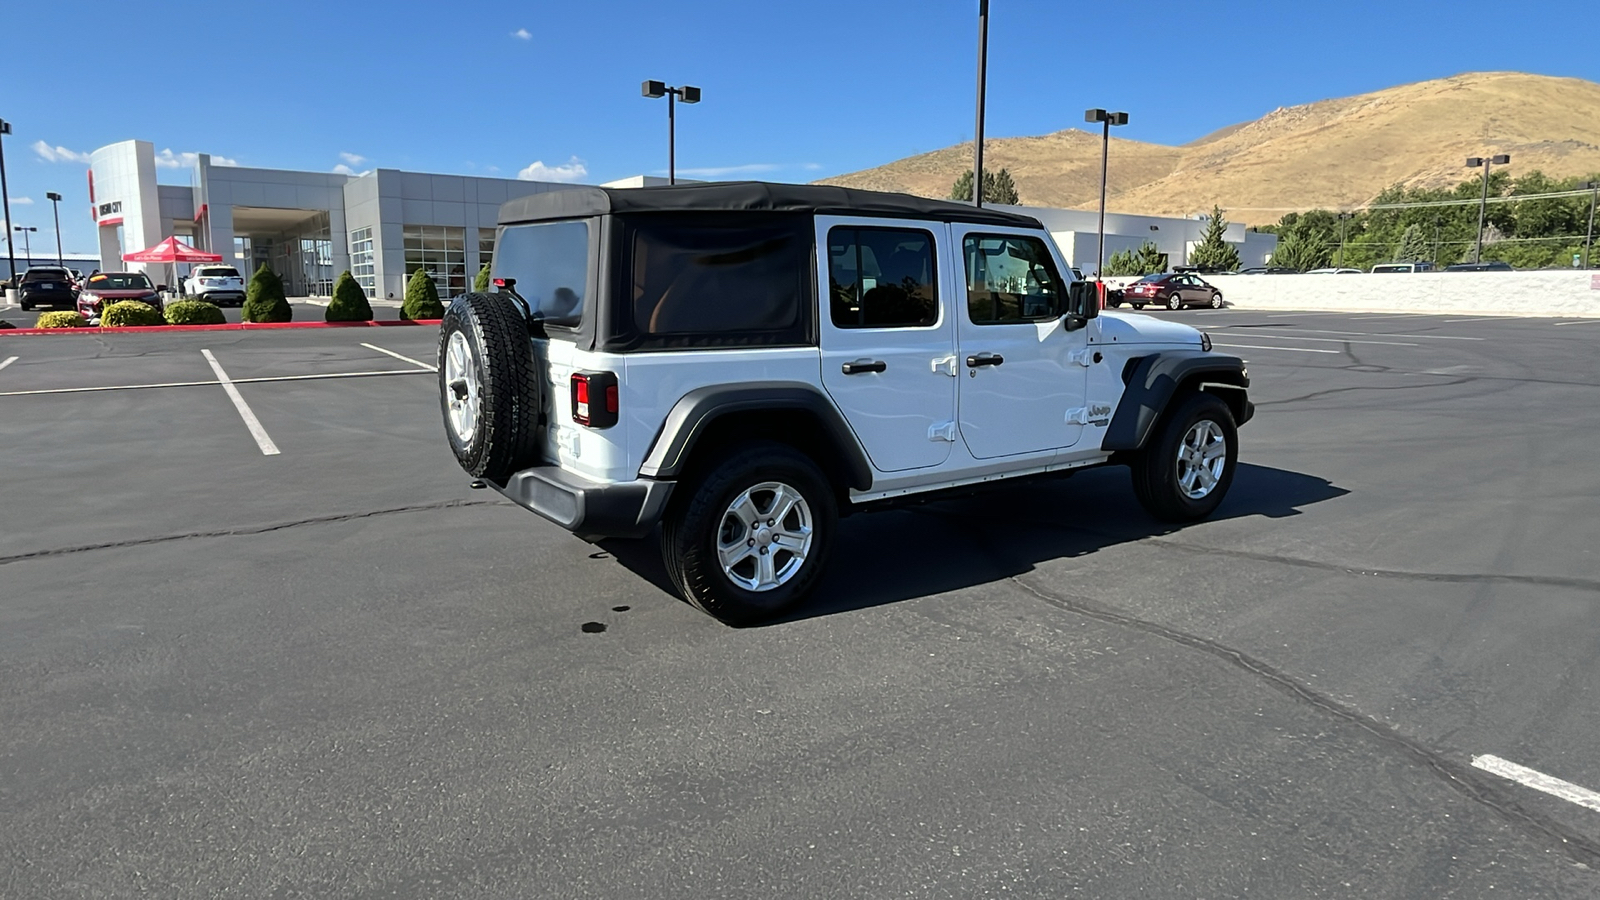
(336, 670)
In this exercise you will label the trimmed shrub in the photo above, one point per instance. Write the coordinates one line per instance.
(61, 319)
(264, 300)
(480, 284)
(130, 312)
(422, 298)
(194, 312)
(349, 303)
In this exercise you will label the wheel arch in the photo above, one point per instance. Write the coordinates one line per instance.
(1154, 382)
(795, 413)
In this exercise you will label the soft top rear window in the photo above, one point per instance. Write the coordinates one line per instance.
(551, 264)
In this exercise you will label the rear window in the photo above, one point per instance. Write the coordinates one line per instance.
(550, 262)
(716, 280)
(38, 274)
(216, 272)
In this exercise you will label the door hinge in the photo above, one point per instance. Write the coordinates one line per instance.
(944, 431)
(945, 365)
(1078, 416)
(1084, 357)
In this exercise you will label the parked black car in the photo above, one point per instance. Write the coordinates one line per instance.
(1488, 265)
(50, 286)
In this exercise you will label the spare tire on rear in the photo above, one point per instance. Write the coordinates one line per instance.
(487, 388)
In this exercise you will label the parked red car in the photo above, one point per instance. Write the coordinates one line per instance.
(109, 287)
(1174, 290)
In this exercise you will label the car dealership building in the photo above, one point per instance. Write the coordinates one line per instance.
(384, 224)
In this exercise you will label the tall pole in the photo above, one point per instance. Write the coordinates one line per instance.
(1588, 240)
(1483, 207)
(672, 138)
(1105, 158)
(977, 131)
(1343, 217)
(55, 206)
(1436, 240)
(5, 197)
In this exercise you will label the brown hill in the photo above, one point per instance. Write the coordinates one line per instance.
(1332, 153)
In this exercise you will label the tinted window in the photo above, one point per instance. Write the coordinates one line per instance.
(878, 278)
(1010, 279)
(39, 274)
(550, 262)
(216, 272)
(745, 277)
(1159, 276)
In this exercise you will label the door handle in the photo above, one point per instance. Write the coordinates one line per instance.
(984, 359)
(863, 366)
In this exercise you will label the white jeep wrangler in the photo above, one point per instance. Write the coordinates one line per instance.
(743, 363)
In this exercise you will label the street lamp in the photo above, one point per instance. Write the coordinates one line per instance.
(27, 247)
(1588, 240)
(5, 198)
(1474, 162)
(55, 206)
(1343, 217)
(658, 89)
(1106, 119)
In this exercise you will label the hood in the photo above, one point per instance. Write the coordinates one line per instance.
(1132, 328)
(123, 294)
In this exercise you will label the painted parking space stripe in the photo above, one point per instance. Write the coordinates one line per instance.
(1295, 337)
(1287, 349)
(268, 448)
(182, 384)
(1381, 334)
(1581, 322)
(1539, 781)
(430, 368)
(9, 361)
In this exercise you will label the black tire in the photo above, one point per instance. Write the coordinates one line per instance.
(1175, 302)
(1157, 470)
(25, 306)
(1138, 306)
(505, 424)
(700, 518)
(1216, 301)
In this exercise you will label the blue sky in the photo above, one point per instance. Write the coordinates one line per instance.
(794, 89)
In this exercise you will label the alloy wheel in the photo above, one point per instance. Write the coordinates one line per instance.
(764, 536)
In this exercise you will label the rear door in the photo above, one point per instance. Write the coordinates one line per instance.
(888, 338)
(1023, 375)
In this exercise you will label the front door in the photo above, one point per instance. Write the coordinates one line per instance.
(888, 337)
(1023, 374)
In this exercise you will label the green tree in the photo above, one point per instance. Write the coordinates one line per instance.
(1212, 252)
(480, 284)
(998, 187)
(1300, 252)
(264, 300)
(1412, 247)
(349, 303)
(1147, 260)
(422, 298)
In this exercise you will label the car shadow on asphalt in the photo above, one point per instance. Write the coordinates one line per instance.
(996, 534)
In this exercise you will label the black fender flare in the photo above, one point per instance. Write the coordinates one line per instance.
(695, 412)
(1153, 382)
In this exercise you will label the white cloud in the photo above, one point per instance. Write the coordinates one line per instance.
(166, 159)
(224, 161)
(572, 171)
(58, 154)
(21, 201)
(354, 159)
(522, 34)
(717, 171)
(342, 169)
(491, 168)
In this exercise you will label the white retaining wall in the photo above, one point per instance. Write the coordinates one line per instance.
(1544, 293)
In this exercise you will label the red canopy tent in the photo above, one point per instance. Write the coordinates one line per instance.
(172, 251)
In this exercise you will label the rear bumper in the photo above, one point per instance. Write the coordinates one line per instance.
(590, 509)
(220, 296)
(49, 298)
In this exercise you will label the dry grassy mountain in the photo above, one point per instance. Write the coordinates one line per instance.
(1332, 153)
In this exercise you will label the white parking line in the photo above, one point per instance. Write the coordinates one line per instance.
(1295, 337)
(177, 384)
(1581, 322)
(1289, 349)
(1384, 334)
(9, 361)
(1393, 316)
(1539, 781)
(268, 448)
(399, 357)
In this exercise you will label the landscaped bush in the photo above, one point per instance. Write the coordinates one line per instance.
(349, 303)
(130, 312)
(194, 312)
(422, 298)
(264, 300)
(61, 319)
(481, 283)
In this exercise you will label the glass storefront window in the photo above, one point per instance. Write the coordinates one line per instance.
(440, 251)
(362, 265)
(485, 248)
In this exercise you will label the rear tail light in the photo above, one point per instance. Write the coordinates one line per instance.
(595, 399)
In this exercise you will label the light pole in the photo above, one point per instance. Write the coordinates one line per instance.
(27, 246)
(55, 207)
(1474, 162)
(1106, 119)
(5, 198)
(1343, 217)
(1588, 240)
(658, 89)
(977, 131)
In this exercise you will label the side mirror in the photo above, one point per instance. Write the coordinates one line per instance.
(1083, 302)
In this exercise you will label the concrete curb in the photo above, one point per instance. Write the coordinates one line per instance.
(231, 326)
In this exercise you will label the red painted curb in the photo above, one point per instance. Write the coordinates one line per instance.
(231, 326)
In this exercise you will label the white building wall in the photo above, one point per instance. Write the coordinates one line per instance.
(1076, 231)
(125, 176)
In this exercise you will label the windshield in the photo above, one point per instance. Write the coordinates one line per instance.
(550, 262)
(120, 281)
(216, 272)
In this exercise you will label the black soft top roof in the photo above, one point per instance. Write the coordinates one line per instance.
(748, 196)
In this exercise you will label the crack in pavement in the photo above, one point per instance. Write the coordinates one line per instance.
(247, 530)
(1459, 776)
